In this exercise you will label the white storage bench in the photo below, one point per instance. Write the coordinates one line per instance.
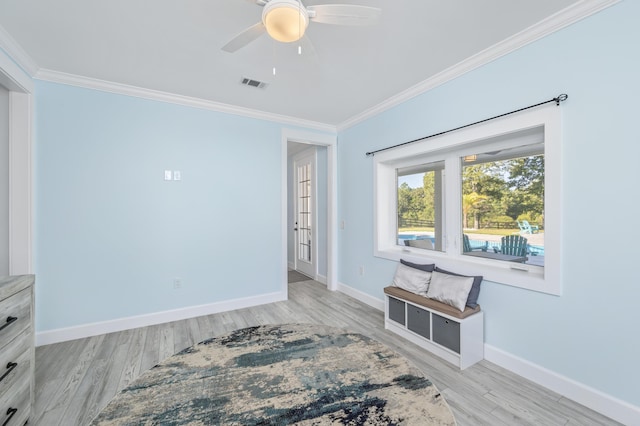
(455, 336)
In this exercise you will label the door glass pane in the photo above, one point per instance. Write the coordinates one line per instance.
(304, 212)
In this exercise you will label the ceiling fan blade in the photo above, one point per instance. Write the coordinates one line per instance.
(308, 50)
(245, 37)
(344, 14)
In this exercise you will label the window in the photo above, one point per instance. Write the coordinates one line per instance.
(419, 206)
(477, 200)
(503, 204)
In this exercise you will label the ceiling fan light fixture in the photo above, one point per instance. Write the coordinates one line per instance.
(285, 20)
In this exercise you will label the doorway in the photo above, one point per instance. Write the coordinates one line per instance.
(4, 181)
(20, 87)
(295, 141)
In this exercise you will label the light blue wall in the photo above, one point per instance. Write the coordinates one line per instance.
(111, 234)
(590, 333)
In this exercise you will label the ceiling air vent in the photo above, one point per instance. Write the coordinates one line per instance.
(253, 83)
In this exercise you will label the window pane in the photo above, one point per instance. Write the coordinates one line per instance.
(503, 205)
(420, 206)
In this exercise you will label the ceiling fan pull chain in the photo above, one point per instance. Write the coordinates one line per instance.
(299, 25)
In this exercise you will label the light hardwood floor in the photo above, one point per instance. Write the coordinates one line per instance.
(76, 379)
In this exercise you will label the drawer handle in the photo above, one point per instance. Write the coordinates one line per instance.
(10, 368)
(10, 320)
(10, 412)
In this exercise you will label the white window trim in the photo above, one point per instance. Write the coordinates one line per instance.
(547, 279)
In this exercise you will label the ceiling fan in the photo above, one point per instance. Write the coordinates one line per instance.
(287, 20)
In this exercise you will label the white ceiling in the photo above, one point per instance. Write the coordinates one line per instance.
(174, 46)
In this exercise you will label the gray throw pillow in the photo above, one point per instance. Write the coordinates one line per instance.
(472, 300)
(412, 279)
(429, 267)
(450, 289)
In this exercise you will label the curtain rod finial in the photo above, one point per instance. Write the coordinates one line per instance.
(561, 98)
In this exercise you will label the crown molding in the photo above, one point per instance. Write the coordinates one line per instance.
(551, 24)
(13, 77)
(156, 95)
(17, 53)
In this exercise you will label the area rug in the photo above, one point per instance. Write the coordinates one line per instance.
(279, 375)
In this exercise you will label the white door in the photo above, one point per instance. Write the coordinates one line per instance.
(304, 215)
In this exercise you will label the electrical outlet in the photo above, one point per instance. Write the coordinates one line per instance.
(361, 270)
(177, 283)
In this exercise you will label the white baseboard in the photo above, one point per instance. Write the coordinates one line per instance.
(120, 324)
(291, 265)
(361, 296)
(596, 400)
(321, 279)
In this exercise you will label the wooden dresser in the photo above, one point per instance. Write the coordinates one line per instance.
(17, 353)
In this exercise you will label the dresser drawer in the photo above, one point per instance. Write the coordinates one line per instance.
(15, 365)
(15, 316)
(15, 406)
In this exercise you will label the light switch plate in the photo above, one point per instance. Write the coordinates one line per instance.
(177, 175)
(167, 175)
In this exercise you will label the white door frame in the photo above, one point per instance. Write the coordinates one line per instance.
(311, 155)
(330, 141)
(21, 88)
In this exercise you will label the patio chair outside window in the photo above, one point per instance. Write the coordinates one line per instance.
(467, 247)
(514, 245)
(525, 228)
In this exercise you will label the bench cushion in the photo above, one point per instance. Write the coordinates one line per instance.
(430, 303)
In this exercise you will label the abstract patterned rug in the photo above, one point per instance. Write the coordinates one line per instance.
(280, 375)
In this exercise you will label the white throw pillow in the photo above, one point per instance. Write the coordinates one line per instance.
(412, 279)
(450, 289)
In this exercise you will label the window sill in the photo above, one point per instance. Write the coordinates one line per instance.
(529, 277)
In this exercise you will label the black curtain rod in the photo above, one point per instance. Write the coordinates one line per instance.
(557, 100)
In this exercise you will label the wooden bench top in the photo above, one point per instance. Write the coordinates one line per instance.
(430, 303)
